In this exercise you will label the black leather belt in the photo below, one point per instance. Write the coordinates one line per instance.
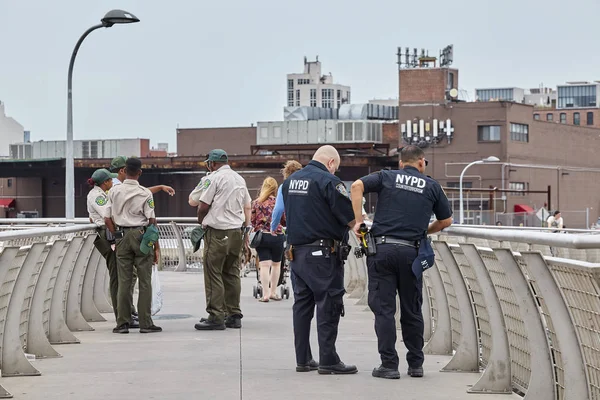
(391, 240)
(318, 243)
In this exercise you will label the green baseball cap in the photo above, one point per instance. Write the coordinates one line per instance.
(196, 236)
(217, 155)
(102, 175)
(117, 163)
(150, 237)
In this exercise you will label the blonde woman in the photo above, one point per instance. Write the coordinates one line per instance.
(270, 251)
(288, 169)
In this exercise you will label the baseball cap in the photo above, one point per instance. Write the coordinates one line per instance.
(102, 175)
(150, 237)
(117, 163)
(217, 155)
(425, 258)
(196, 237)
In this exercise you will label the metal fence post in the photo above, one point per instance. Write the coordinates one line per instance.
(182, 267)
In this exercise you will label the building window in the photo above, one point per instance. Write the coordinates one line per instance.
(466, 185)
(590, 118)
(327, 98)
(9, 182)
(303, 81)
(348, 97)
(549, 117)
(563, 118)
(494, 94)
(313, 97)
(519, 132)
(490, 133)
(264, 133)
(290, 92)
(277, 132)
(577, 96)
(536, 117)
(576, 119)
(516, 186)
(297, 97)
(339, 98)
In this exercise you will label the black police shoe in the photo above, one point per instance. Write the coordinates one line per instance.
(386, 373)
(311, 366)
(151, 329)
(134, 324)
(134, 313)
(207, 325)
(337, 369)
(415, 372)
(121, 329)
(233, 321)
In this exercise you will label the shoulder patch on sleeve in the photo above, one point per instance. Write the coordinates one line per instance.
(340, 187)
(101, 200)
(206, 184)
(150, 203)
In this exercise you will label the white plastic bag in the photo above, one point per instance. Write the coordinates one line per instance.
(157, 296)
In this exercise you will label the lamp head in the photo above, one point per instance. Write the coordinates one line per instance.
(118, 17)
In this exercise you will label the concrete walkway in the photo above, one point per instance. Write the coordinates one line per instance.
(256, 362)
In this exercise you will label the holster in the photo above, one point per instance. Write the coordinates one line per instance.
(289, 252)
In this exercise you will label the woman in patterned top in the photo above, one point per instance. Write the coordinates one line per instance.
(270, 251)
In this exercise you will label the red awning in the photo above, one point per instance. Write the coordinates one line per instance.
(7, 203)
(523, 208)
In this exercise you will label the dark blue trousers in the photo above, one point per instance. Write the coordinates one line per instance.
(390, 272)
(317, 280)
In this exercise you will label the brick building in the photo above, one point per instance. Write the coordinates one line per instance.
(199, 141)
(534, 154)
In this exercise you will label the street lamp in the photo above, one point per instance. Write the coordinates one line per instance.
(489, 159)
(111, 18)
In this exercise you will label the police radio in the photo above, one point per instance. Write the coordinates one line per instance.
(367, 243)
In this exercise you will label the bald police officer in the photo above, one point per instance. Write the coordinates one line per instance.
(318, 215)
(406, 199)
(224, 212)
(131, 209)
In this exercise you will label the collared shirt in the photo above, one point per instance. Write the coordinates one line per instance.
(116, 181)
(130, 204)
(405, 201)
(317, 205)
(226, 193)
(197, 192)
(97, 205)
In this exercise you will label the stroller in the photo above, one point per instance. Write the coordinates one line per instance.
(284, 290)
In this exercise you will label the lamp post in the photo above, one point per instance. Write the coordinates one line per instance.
(111, 18)
(489, 159)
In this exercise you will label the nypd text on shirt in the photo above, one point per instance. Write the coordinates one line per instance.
(410, 183)
(299, 186)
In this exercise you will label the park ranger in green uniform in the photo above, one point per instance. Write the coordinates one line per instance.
(97, 201)
(224, 212)
(131, 209)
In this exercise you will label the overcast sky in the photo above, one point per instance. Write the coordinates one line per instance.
(195, 63)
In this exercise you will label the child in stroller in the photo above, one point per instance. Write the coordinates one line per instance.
(284, 290)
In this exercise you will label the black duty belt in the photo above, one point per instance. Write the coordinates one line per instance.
(391, 240)
(318, 243)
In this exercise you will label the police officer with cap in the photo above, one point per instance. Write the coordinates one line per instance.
(319, 216)
(406, 200)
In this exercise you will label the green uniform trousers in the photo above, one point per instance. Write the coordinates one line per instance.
(104, 248)
(129, 256)
(110, 256)
(222, 283)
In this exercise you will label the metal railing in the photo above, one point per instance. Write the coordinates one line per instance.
(53, 282)
(497, 302)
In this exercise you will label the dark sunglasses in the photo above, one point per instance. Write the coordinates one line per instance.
(426, 161)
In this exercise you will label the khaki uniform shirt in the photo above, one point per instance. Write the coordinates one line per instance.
(197, 192)
(226, 193)
(97, 205)
(130, 204)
